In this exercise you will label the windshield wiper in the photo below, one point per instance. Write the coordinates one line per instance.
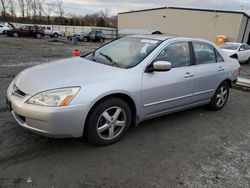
(109, 58)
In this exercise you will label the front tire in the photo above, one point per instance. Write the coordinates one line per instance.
(108, 122)
(220, 97)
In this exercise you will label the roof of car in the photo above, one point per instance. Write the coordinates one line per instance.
(162, 37)
(234, 43)
(152, 37)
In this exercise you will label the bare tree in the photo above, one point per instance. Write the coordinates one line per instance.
(34, 8)
(60, 11)
(105, 13)
(28, 7)
(48, 9)
(12, 8)
(40, 8)
(22, 7)
(3, 5)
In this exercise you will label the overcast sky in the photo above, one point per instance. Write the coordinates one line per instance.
(81, 7)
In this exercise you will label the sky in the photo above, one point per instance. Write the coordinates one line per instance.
(83, 7)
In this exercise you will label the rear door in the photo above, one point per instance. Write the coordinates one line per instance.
(210, 71)
(166, 91)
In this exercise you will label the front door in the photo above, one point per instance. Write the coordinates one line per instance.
(166, 91)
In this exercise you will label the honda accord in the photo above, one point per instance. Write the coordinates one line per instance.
(120, 84)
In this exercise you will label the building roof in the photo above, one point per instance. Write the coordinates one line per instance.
(193, 9)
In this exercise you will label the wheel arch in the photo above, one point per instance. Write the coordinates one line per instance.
(128, 99)
(229, 82)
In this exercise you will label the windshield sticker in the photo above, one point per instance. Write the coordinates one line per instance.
(149, 41)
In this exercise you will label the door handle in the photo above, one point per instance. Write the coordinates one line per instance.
(188, 75)
(220, 69)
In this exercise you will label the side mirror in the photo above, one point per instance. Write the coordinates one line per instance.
(241, 49)
(160, 66)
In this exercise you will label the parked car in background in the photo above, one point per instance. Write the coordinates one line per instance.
(48, 30)
(239, 51)
(3, 29)
(124, 82)
(77, 35)
(26, 31)
(96, 36)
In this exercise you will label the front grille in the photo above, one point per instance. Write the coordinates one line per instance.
(16, 91)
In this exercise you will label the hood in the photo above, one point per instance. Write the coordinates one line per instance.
(69, 72)
(230, 52)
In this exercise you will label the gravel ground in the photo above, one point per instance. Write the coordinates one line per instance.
(193, 148)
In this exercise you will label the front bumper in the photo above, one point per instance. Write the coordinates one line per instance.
(56, 122)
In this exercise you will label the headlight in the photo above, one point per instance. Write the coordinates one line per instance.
(57, 97)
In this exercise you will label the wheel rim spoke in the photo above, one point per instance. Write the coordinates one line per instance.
(225, 93)
(221, 90)
(103, 128)
(111, 132)
(117, 113)
(219, 101)
(120, 123)
(107, 116)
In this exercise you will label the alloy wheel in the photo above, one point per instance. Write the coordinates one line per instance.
(221, 96)
(111, 123)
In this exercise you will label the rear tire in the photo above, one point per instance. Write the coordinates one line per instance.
(108, 122)
(220, 97)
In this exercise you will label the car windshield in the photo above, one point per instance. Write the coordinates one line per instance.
(125, 52)
(230, 46)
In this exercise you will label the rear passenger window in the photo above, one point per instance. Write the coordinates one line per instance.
(176, 53)
(204, 53)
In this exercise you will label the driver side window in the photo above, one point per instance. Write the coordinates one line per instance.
(177, 53)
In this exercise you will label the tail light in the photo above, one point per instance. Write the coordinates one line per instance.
(239, 69)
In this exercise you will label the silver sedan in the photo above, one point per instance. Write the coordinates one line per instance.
(124, 82)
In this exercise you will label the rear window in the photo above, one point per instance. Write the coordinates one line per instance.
(204, 53)
(218, 56)
(230, 46)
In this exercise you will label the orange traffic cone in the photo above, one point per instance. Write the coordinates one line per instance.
(76, 53)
